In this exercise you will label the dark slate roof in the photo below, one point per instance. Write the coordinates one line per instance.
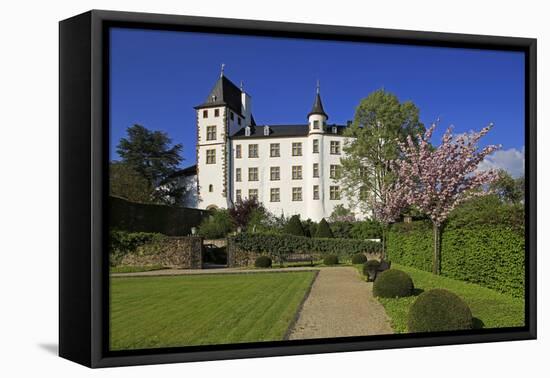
(224, 93)
(318, 107)
(281, 131)
(189, 171)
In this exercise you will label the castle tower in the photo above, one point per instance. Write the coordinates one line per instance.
(317, 120)
(217, 117)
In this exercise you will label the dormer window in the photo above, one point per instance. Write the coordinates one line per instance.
(334, 130)
(266, 130)
(213, 98)
(247, 131)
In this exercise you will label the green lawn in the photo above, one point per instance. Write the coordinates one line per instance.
(489, 308)
(135, 268)
(152, 312)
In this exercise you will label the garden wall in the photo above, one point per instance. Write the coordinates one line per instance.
(172, 252)
(139, 217)
(491, 255)
(243, 249)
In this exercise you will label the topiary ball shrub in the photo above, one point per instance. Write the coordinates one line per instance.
(359, 259)
(439, 310)
(263, 262)
(370, 269)
(393, 283)
(331, 260)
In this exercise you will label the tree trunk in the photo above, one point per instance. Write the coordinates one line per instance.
(383, 242)
(436, 267)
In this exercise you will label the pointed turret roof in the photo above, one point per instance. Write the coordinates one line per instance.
(318, 105)
(224, 93)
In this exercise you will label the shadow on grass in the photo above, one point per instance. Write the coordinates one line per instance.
(417, 291)
(477, 323)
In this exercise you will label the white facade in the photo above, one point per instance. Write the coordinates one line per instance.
(292, 169)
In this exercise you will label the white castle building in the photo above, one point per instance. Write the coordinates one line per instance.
(290, 169)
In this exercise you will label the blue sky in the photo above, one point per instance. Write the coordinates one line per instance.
(158, 76)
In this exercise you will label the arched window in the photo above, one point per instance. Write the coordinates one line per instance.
(210, 188)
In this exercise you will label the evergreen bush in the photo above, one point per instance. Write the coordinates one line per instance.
(393, 283)
(330, 260)
(439, 310)
(263, 262)
(323, 230)
(294, 226)
(359, 258)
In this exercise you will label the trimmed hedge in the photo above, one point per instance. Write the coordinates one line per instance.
(393, 283)
(330, 260)
(439, 310)
(490, 255)
(277, 245)
(263, 262)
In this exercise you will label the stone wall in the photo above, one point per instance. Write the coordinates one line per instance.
(172, 252)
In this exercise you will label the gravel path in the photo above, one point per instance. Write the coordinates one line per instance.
(340, 304)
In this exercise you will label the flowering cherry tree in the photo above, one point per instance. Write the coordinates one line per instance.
(436, 180)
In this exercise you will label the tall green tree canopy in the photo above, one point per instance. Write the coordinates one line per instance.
(508, 189)
(152, 155)
(125, 182)
(380, 121)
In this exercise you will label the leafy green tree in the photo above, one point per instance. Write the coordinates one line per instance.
(508, 189)
(126, 183)
(380, 121)
(151, 154)
(324, 231)
(294, 226)
(217, 225)
(341, 214)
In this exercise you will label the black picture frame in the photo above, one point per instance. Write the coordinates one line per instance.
(83, 122)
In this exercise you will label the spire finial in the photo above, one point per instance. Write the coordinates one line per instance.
(242, 86)
(318, 87)
(223, 66)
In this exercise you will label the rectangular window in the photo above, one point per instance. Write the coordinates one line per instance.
(216, 112)
(296, 149)
(205, 114)
(210, 132)
(252, 174)
(334, 147)
(275, 195)
(210, 156)
(316, 125)
(275, 173)
(238, 195)
(315, 146)
(253, 193)
(315, 192)
(296, 194)
(315, 169)
(296, 172)
(232, 115)
(274, 150)
(335, 171)
(334, 192)
(239, 119)
(238, 151)
(238, 175)
(252, 150)
(363, 171)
